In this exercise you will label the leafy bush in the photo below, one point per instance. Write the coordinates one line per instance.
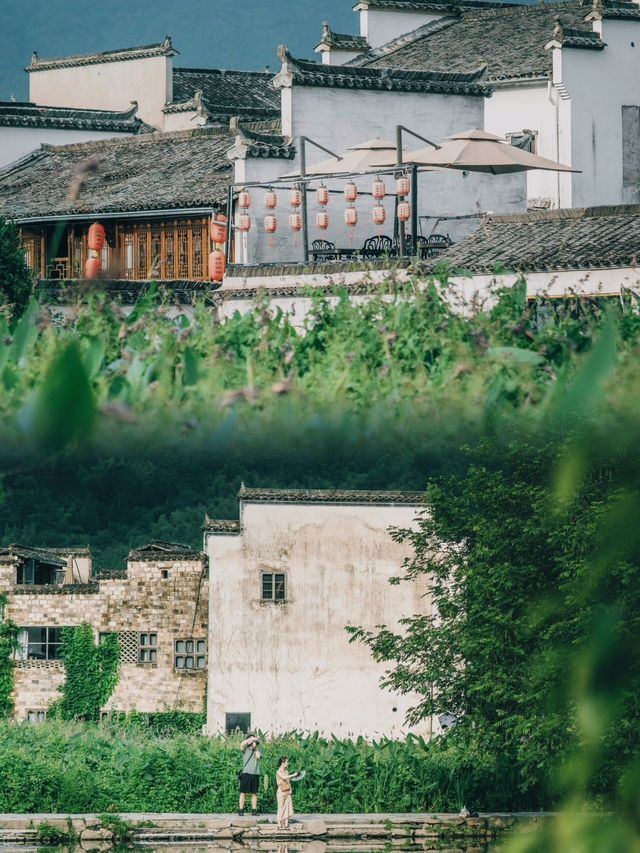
(16, 280)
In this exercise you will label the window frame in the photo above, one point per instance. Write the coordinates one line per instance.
(150, 649)
(45, 645)
(236, 714)
(272, 599)
(41, 715)
(532, 134)
(195, 653)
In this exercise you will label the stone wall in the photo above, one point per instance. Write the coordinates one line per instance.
(165, 596)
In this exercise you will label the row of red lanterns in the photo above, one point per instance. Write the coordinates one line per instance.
(378, 214)
(378, 191)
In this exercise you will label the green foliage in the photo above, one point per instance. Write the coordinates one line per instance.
(16, 280)
(162, 723)
(8, 640)
(91, 673)
(121, 829)
(65, 767)
(53, 836)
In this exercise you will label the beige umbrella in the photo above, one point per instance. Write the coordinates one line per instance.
(364, 157)
(479, 151)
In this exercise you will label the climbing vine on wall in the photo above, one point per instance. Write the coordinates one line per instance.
(91, 673)
(8, 640)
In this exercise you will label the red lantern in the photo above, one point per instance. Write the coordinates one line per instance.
(322, 220)
(244, 222)
(322, 195)
(403, 187)
(404, 211)
(378, 190)
(217, 265)
(351, 191)
(244, 200)
(379, 214)
(270, 224)
(97, 237)
(218, 229)
(295, 222)
(351, 217)
(93, 268)
(270, 200)
(295, 198)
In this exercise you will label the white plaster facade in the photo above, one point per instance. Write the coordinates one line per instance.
(108, 82)
(381, 25)
(16, 142)
(290, 664)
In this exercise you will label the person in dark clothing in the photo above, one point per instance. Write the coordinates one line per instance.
(250, 774)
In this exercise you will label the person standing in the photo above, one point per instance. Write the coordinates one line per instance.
(250, 773)
(284, 795)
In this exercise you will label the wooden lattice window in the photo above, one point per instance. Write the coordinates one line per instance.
(128, 644)
(164, 250)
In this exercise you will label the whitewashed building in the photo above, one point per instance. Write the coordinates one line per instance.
(285, 581)
(565, 80)
(24, 126)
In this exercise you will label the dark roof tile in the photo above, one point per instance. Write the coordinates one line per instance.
(226, 93)
(164, 48)
(156, 171)
(342, 41)
(350, 496)
(384, 79)
(574, 238)
(26, 114)
(510, 40)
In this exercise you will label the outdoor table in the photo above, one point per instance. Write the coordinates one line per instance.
(333, 254)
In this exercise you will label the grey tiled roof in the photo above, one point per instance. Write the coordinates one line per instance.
(164, 551)
(27, 114)
(342, 41)
(616, 9)
(164, 48)
(578, 38)
(126, 291)
(428, 5)
(27, 552)
(226, 93)
(265, 139)
(575, 238)
(351, 496)
(156, 171)
(222, 526)
(384, 79)
(510, 40)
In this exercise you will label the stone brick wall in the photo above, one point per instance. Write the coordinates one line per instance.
(165, 596)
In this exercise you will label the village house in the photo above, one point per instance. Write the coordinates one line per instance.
(157, 608)
(169, 98)
(285, 582)
(564, 77)
(24, 126)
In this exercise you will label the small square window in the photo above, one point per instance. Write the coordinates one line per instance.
(36, 716)
(165, 574)
(148, 648)
(274, 586)
(235, 722)
(185, 657)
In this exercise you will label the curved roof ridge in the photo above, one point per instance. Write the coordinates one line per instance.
(147, 139)
(163, 48)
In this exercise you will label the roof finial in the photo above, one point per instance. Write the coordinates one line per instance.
(34, 57)
(326, 29)
(558, 31)
(597, 8)
(282, 52)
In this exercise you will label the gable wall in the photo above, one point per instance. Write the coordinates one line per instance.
(291, 665)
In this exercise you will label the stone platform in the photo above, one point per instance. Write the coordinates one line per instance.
(315, 833)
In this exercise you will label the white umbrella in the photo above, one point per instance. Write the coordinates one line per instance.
(479, 151)
(364, 157)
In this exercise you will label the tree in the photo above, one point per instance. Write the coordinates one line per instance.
(16, 279)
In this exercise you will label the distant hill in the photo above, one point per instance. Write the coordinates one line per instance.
(240, 34)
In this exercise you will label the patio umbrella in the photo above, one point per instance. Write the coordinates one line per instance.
(364, 157)
(479, 151)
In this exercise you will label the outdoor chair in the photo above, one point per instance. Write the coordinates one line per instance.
(435, 244)
(376, 246)
(323, 248)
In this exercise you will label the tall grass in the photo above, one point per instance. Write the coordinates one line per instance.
(72, 767)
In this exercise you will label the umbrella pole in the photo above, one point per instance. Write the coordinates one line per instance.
(414, 211)
(305, 213)
(401, 233)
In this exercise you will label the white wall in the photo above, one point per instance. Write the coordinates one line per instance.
(291, 665)
(332, 56)
(108, 86)
(338, 118)
(532, 107)
(380, 26)
(599, 84)
(15, 142)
